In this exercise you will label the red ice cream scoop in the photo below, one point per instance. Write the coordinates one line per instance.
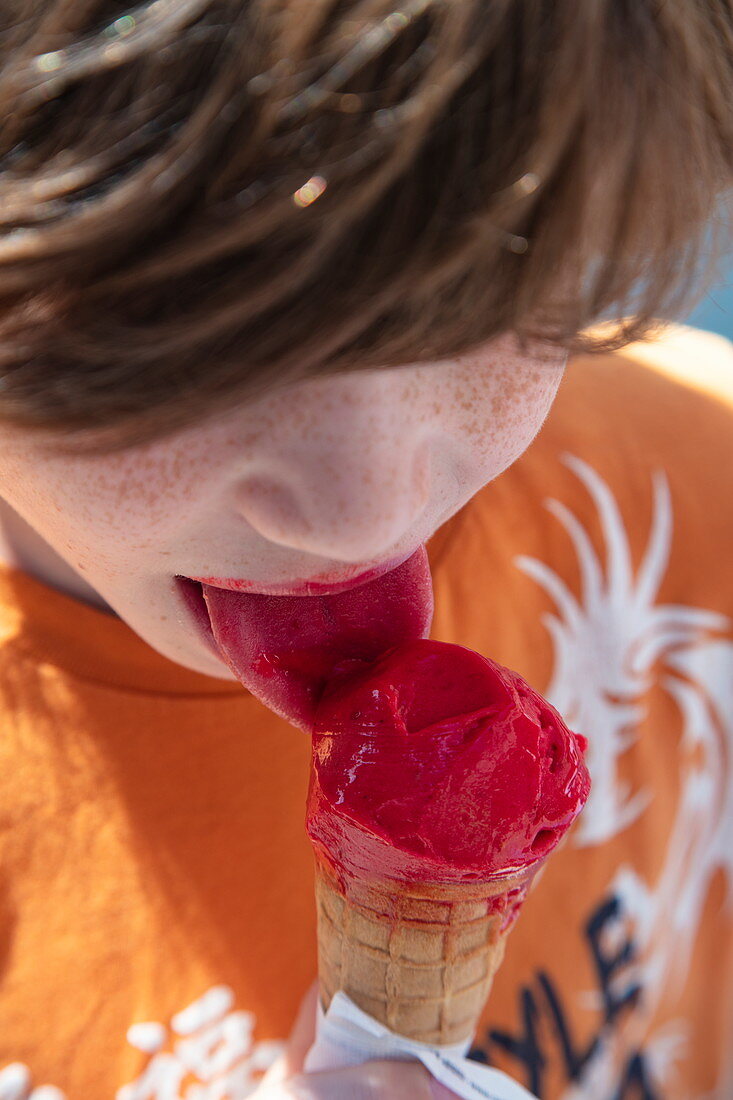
(436, 764)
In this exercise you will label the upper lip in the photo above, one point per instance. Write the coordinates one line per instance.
(321, 585)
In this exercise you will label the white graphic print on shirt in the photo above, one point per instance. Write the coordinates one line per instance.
(207, 1053)
(610, 645)
(208, 1042)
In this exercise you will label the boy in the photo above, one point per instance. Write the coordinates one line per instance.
(285, 287)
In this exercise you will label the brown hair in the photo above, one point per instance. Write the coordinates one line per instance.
(203, 199)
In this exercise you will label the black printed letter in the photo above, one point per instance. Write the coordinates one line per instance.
(525, 1048)
(608, 966)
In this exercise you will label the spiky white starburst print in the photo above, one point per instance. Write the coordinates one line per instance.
(607, 641)
(612, 643)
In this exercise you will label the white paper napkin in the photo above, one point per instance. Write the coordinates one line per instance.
(346, 1036)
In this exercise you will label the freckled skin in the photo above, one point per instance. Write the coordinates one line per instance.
(329, 476)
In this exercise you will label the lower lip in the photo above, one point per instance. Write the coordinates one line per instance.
(193, 597)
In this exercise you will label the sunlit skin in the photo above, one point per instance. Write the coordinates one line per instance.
(323, 479)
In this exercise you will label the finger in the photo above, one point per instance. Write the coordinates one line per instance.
(370, 1081)
(300, 1040)
(304, 1029)
(440, 1092)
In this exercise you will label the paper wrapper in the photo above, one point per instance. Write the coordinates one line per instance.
(347, 1036)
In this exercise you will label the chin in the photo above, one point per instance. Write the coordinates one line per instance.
(208, 664)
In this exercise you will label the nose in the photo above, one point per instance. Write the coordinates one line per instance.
(341, 507)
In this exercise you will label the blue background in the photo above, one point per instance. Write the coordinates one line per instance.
(715, 311)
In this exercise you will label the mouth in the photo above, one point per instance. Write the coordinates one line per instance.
(285, 649)
(191, 591)
(193, 598)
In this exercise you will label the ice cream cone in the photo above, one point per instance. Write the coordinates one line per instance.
(420, 958)
(434, 770)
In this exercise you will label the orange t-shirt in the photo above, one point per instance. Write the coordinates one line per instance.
(157, 924)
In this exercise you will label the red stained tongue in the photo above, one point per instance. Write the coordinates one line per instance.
(284, 648)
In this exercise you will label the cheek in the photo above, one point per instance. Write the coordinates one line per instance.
(80, 507)
(507, 415)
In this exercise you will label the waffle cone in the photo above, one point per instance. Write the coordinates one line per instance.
(421, 957)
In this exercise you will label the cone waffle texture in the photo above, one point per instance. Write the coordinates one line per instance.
(420, 958)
